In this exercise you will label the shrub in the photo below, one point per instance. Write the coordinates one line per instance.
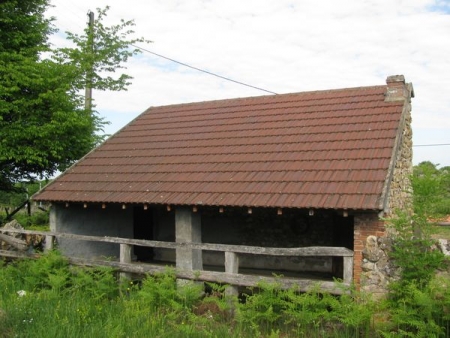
(37, 219)
(414, 252)
(415, 300)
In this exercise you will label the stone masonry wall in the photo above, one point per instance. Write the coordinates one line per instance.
(367, 227)
(400, 192)
(373, 270)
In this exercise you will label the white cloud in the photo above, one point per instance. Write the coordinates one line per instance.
(283, 46)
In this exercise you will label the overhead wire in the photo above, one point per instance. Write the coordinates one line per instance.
(202, 70)
(196, 68)
(240, 83)
(69, 15)
(431, 145)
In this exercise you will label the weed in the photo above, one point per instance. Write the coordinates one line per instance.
(48, 298)
(414, 252)
(415, 301)
(36, 221)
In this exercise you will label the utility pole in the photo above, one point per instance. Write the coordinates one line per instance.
(88, 90)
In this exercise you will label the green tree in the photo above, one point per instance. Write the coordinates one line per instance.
(99, 53)
(23, 28)
(44, 125)
(431, 187)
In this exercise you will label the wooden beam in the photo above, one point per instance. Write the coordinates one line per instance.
(231, 254)
(302, 285)
(303, 251)
(236, 279)
(18, 254)
(15, 242)
(10, 215)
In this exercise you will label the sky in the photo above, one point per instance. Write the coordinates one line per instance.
(282, 46)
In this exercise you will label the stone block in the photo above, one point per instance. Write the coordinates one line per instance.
(368, 266)
(372, 252)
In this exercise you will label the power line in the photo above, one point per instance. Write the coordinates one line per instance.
(204, 71)
(432, 145)
(199, 69)
(70, 14)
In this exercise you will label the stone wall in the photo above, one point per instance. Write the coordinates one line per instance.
(366, 225)
(373, 270)
(400, 190)
(399, 195)
(264, 227)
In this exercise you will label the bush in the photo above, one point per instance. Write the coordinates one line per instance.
(63, 301)
(37, 220)
(431, 188)
(49, 298)
(270, 311)
(414, 252)
(416, 301)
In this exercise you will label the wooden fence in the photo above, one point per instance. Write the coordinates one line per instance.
(231, 275)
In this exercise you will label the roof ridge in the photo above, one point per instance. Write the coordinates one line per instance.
(271, 96)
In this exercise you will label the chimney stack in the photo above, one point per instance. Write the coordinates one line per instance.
(397, 89)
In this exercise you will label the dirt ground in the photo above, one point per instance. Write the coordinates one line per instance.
(441, 228)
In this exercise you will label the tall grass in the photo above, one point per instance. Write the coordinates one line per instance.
(49, 298)
(419, 302)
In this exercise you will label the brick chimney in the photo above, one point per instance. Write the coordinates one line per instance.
(397, 89)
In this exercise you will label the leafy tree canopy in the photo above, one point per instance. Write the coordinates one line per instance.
(431, 187)
(44, 125)
(23, 27)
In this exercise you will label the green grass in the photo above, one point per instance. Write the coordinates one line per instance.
(49, 298)
(440, 231)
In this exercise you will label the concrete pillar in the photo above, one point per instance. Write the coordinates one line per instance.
(125, 257)
(348, 270)
(52, 218)
(231, 266)
(188, 230)
(49, 239)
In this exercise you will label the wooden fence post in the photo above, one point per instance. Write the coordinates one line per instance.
(125, 257)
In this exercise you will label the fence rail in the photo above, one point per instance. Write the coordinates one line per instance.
(230, 276)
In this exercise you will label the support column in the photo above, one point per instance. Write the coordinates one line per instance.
(125, 257)
(188, 230)
(52, 217)
(231, 291)
(49, 239)
(348, 270)
(231, 266)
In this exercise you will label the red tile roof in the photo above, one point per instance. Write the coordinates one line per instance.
(324, 149)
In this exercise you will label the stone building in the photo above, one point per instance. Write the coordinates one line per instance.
(293, 170)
